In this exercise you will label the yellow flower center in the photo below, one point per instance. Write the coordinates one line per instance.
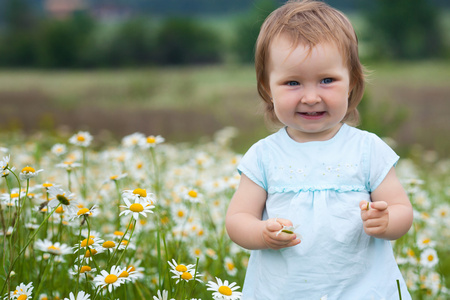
(15, 195)
(136, 207)
(230, 266)
(85, 241)
(59, 210)
(180, 213)
(111, 278)
(80, 138)
(193, 194)
(52, 247)
(151, 140)
(426, 241)
(131, 268)
(85, 269)
(181, 268)
(186, 276)
(119, 233)
(430, 257)
(140, 192)
(82, 211)
(124, 274)
(28, 170)
(46, 185)
(22, 297)
(224, 290)
(88, 252)
(109, 244)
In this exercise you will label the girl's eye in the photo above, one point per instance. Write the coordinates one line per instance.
(292, 83)
(327, 80)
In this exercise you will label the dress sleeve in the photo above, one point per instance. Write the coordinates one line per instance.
(381, 159)
(252, 166)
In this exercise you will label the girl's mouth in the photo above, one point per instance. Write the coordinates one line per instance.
(312, 115)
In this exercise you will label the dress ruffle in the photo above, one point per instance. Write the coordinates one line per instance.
(316, 188)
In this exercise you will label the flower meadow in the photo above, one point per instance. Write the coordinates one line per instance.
(142, 218)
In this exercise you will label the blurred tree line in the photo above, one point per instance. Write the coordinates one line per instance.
(401, 29)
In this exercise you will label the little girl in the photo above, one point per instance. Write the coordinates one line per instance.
(335, 182)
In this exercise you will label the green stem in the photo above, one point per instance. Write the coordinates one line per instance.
(84, 181)
(399, 291)
(118, 204)
(43, 277)
(156, 186)
(24, 248)
(120, 242)
(132, 231)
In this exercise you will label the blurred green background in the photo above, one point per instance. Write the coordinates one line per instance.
(183, 69)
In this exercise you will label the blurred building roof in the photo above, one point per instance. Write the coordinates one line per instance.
(62, 9)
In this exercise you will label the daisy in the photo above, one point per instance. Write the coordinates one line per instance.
(137, 208)
(83, 211)
(134, 266)
(138, 194)
(11, 200)
(192, 195)
(92, 242)
(183, 272)
(52, 248)
(223, 290)
(230, 267)
(129, 274)
(132, 140)
(82, 138)
(151, 141)
(59, 149)
(179, 269)
(162, 296)
(88, 254)
(429, 258)
(111, 279)
(84, 270)
(109, 246)
(59, 196)
(116, 177)
(22, 291)
(6, 172)
(68, 165)
(80, 296)
(28, 172)
(442, 212)
(4, 162)
(424, 241)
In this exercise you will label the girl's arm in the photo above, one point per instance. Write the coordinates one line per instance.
(244, 224)
(390, 214)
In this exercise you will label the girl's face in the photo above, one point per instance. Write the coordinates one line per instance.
(309, 88)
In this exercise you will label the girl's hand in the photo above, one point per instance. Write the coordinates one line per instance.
(281, 240)
(375, 217)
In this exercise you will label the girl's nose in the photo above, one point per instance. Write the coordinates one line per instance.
(310, 97)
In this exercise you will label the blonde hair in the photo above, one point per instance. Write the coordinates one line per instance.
(310, 23)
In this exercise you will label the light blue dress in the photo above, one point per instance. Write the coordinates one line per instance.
(318, 186)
